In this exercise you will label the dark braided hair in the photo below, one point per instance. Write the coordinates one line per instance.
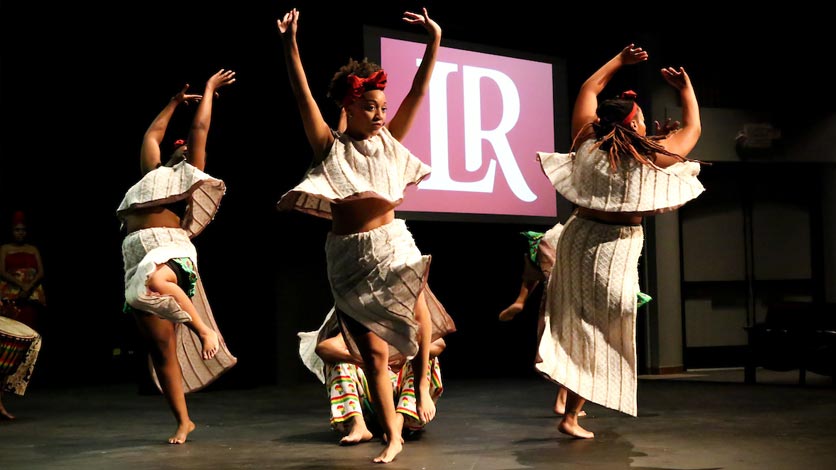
(619, 139)
(338, 87)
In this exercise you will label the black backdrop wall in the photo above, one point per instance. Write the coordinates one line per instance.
(81, 83)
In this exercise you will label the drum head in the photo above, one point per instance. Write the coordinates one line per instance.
(16, 329)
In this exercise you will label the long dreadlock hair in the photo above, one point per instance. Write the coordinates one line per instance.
(619, 140)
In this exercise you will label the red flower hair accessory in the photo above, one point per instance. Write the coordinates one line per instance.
(359, 85)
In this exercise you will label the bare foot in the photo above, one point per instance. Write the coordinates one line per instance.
(560, 413)
(183, 430)
(509, 313)
(6, 415)
(560, 403)
(574, 429)
(425, 405)
(359, 433)
(385, 439)
(398, 425)
(393, 448)
(210, 343)
(561, 409)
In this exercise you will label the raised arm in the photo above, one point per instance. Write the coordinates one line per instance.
(149, 154)
(587, 101)
(199, 131)
(683, 141)
(399, 125)
(317, 130)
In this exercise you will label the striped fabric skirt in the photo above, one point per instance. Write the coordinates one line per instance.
(376, 278)
(539, 260)
(589, 339)
(143, 251)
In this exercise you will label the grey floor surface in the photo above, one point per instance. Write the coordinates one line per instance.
(696, 420)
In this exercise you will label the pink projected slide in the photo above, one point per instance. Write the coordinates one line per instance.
(481, 124)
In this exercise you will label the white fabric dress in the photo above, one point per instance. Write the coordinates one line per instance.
(589, 340)
(145, 249)
(375, 276)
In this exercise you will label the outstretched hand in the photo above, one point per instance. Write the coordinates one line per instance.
(677, 78)
(667, 128)
(183, 97)
(220, 79)
(288, 22)
(423, 19)
(633, 55)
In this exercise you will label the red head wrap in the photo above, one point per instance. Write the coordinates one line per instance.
(18, 218)
(630, 95)
(358, 85)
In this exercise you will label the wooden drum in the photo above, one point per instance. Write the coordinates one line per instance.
(19, 347)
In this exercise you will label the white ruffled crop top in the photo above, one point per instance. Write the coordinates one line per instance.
(166, 185)
(378, 167)
(586, 179)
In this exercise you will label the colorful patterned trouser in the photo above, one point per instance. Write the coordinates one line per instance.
(350, 396)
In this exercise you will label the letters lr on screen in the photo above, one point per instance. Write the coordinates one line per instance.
(484, 119)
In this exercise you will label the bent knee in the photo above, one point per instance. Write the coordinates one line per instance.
(160, 279)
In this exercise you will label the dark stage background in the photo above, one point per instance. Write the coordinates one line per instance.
(80, 84)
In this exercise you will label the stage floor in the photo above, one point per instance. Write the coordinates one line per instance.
(697, 420)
